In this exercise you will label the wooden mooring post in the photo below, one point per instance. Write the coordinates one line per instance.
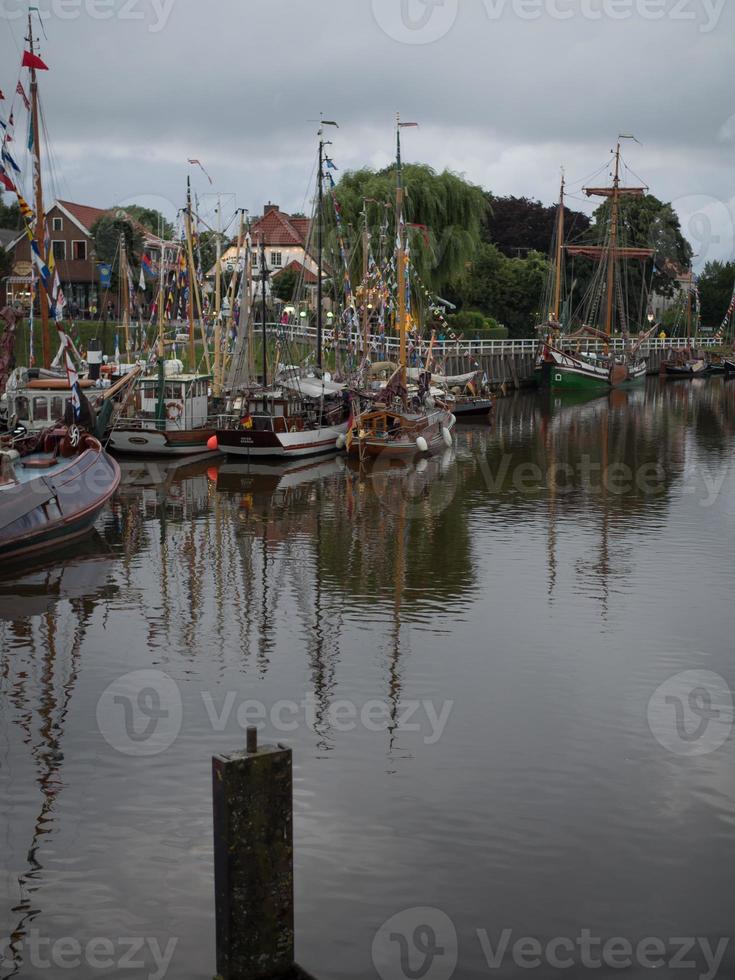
(252, 794)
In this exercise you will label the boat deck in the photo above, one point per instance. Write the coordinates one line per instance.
(25, 474)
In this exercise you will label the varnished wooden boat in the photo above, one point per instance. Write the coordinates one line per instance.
(384, 432)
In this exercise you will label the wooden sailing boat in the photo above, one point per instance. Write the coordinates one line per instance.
(392, 425)
(299, 414)
(575, 370)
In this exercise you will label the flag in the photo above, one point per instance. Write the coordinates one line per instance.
(141, 283)
(25, 208)
(6, 181)
(33, 61)
(21, 92)
(402, 125)
(43, 269)
(331, 164)
(197, 163)
(146, 266)
(9, 160)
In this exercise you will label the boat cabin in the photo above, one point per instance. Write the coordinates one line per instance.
(36, 407)
(185, 401)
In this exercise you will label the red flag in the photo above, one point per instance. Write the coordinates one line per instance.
(7, 182)
(21, 92)
(33, 61)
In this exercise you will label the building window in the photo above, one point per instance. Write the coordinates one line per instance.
(59, 250)
(255, 259)
(58, 224)
(79, 251)
(276, 260)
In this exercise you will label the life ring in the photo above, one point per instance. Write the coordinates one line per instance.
(174, 411)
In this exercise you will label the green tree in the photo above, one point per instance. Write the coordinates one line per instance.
(9, 214)
(151, 219)
(716, 290)
(283, 285)
(518, 225)
(106, 234)
(451, 210)
(509, 290)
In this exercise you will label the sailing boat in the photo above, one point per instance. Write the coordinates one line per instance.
(170, 416)
(575, 370)
(688, 366)
(299, 414)
(394, 426)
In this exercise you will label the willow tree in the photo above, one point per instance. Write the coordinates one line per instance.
(447, 214)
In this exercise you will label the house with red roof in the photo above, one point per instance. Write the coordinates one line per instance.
(71, 243)
(287, 242)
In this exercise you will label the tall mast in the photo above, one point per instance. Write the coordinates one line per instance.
(40, 213)
(615, 207)
(217, 386)
(161, 305)
(125, 283)
(366, 291)
(320, 239)
(559, 254)
(263, 277)
(190, 265)
(689, 307)
(319, 250)
(401, 240)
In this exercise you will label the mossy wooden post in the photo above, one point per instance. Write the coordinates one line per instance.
(253, 862)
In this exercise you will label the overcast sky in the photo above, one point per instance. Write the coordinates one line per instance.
(505, 91)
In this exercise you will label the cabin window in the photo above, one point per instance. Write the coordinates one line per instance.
(79, 251)
(57, 407)
(58, 224)
(58, 249)
(21, 408)
(40, 409)
(276, 260)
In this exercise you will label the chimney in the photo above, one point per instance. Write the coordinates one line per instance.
(269, 207)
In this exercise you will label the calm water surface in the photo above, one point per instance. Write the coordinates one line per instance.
(539, 584)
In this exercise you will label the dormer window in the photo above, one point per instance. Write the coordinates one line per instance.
(58, 224)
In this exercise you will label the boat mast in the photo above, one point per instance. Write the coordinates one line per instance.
(190, 263)
(125, 283)
(161, 311)
(319, 250)
(263, 278)
(689, 308)
(366, 291)
(217, 386)
(559, 254)
(615, 207)
(401, 257)
(40, 214)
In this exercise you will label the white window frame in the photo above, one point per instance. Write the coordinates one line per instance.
(60, 221)
(277, 264)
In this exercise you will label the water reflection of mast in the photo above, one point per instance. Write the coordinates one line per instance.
(48, 757)
(395, 688)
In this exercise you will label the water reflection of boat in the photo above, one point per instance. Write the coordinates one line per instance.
(36, 590)
(261, 477)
